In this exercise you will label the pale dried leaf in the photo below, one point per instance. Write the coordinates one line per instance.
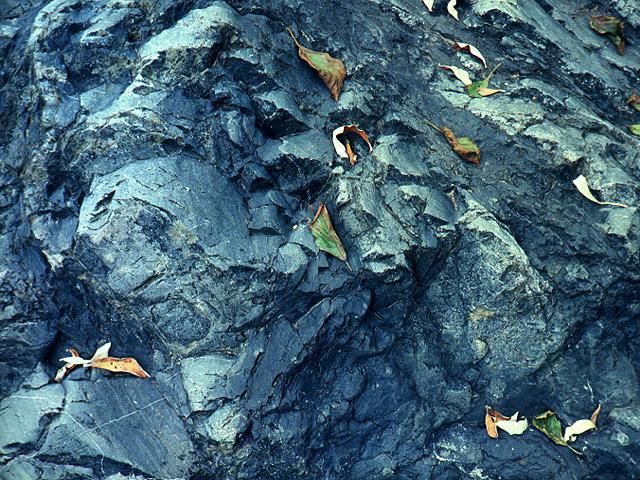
(472, 50)
(75, 361)
(451, 9)
(428, 4)
(581, 426)
(583, 187)
(460, 74)
(594, 415)
(485, 92)
(513, 426)
(102, 352)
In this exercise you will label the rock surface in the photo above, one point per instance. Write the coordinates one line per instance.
(159, 161)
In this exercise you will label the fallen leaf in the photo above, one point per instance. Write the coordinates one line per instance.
(343, 150)
(331, 70)
(549, 424)
(463, 146)
(68, 367)
(467, 47)
(480, 88)
(460, 74)
(428, 4)
(634, 101)
(635, 129)
(120, 365)
(594, 415)
(451, 9)
(611, 27)
(490, 420)
(102, 360)
(513, 426)
(576, 428)
(583, 187)
(325, 236)
(582, 426)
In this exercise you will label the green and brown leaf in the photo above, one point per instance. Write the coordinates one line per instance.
(325, 236)
(611, 27)
(549, 424)
(331, 70)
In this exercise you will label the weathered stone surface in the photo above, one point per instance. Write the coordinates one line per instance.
(159, 162)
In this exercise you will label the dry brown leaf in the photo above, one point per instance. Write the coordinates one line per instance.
(460, 74)
(467, 47)
(583, 187)
(491, 419)
(344, 150)
(428, 4)
(634, 101)
(331, 70)
(120, 365)
(463, 146)
(594, 415)
(68, 367)
(452, 10)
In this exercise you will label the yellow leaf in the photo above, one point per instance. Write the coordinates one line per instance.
(344, 151)
(460, 74)
(471, 49)
(583, 187)
(451, 9)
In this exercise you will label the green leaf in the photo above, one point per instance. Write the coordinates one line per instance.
(325, 236)
(635, 129)
(481, 87)
(331, 70)
(611, 27)
(549, 424)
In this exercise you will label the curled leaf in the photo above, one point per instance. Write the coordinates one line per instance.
(325, 236)
(452, 10)
(481, 87)
(120, 365)
(344, 150)
(634, 101)
(491, 418)
(331, 70)
(471, 49)
(428, 4)
(460, 74)
(463, 146)
(513, 426)
(611, 27)
(635, 129)
(594, 415)
(577, 428)
(583, 187)
(68, 367)
(102, 360)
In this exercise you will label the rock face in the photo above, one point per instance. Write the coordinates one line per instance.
(159, 162)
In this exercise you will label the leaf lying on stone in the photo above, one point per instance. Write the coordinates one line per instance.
(635, 129)
(463, 146)
(325, 236)
(68, 367)
(581, 426)
(344, 150)
(634, 101)
(460, 74)
(583, 187)
(466, 47)
(331, 70)
(481, 88)
(549, 424)
(428, 4)
(611, 27)
(102, 360)
(491, 419)
(452, 10)
(494, 420)
(513, 426)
